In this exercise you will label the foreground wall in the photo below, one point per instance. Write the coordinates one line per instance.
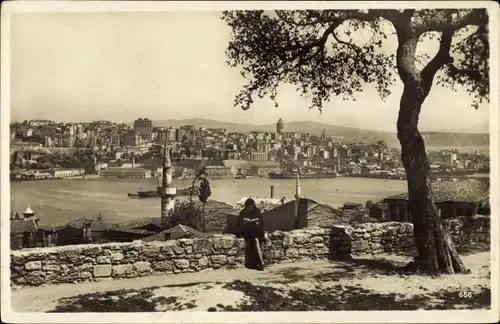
(77, 263)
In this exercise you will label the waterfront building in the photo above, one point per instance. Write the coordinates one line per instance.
(66, 173)
(219, 171)
(126, 173)
(462, 198)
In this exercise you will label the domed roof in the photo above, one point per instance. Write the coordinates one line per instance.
(280, 121)
(28, 210)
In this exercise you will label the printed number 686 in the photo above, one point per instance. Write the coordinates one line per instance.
(465, 294)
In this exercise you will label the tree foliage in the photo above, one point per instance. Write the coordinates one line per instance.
(186, 213)
(305, 48)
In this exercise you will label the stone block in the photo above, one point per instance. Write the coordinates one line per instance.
(292, 253)
(33, 265)
(91, 250)
(223, 243)
(181, 264)
(186, 242)
(85, 275)
(167, 250)
(103, 270)
(203, 262)
(17, 260)
(219, 259)
(316, 239)
(116, 256)
(142, 266)
(150, 251)
(300, 238)
(164, 266)
(51, 267)
(121, 269)
(103, 259)
(35, 278)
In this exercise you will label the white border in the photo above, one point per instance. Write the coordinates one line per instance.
(283, 317)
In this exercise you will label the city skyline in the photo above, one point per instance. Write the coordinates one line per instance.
(89, 81)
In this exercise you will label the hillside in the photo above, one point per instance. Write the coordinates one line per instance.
(432, 139)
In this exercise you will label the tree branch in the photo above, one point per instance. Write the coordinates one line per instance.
(454, 20)
(441, 58)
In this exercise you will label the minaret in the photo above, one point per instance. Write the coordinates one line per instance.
(167, 191)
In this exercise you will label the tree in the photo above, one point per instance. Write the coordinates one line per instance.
(304, 48)
(186, 213)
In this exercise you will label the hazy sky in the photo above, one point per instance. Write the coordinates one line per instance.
(168, 65)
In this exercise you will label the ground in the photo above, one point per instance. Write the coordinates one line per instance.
(365, 283)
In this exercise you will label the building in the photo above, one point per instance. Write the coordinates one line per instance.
(258, 156)
(66, 173)
(131, 139)
(144, 128)
(24, 231)
(128, 173)
(280, 126)
(265, 170)
(453, 199)
(219, 171)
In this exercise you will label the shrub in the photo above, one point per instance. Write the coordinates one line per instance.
(186, 213)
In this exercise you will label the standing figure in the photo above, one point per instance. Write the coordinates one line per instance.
(251, 227)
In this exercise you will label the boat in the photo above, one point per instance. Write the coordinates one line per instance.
(302, 175)
(243, 177)
(185, 191)
(154, 194)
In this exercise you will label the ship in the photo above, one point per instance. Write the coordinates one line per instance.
(302, 175)
(155, 194)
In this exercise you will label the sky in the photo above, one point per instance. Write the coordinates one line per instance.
(172, 65)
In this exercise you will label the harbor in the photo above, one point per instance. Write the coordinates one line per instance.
(61, 201)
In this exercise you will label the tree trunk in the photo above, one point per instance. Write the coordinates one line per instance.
(436, 251)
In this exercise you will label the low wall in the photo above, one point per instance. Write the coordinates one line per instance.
(78, 263)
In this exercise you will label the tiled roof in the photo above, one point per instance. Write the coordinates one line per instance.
(18, 226)
(131, 231)
(140, 222)
(94, 224)
(49, 228)
(178, 231)
(463, 191)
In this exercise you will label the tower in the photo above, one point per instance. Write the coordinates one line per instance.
(280, 126)
(28, 213)
(323, 135)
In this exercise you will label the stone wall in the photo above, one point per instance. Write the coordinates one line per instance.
(77, 263)
(465, 230)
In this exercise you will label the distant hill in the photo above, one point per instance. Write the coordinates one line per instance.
(437, 139)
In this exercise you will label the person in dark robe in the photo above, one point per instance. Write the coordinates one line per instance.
(251, 225)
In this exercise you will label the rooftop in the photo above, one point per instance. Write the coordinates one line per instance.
(176, 232)
(18, 226)
(28, 210)
(460, 191)
(118, 169)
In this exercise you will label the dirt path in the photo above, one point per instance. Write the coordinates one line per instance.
(313, 284)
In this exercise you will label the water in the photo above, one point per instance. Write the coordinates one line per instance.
(59, 201)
